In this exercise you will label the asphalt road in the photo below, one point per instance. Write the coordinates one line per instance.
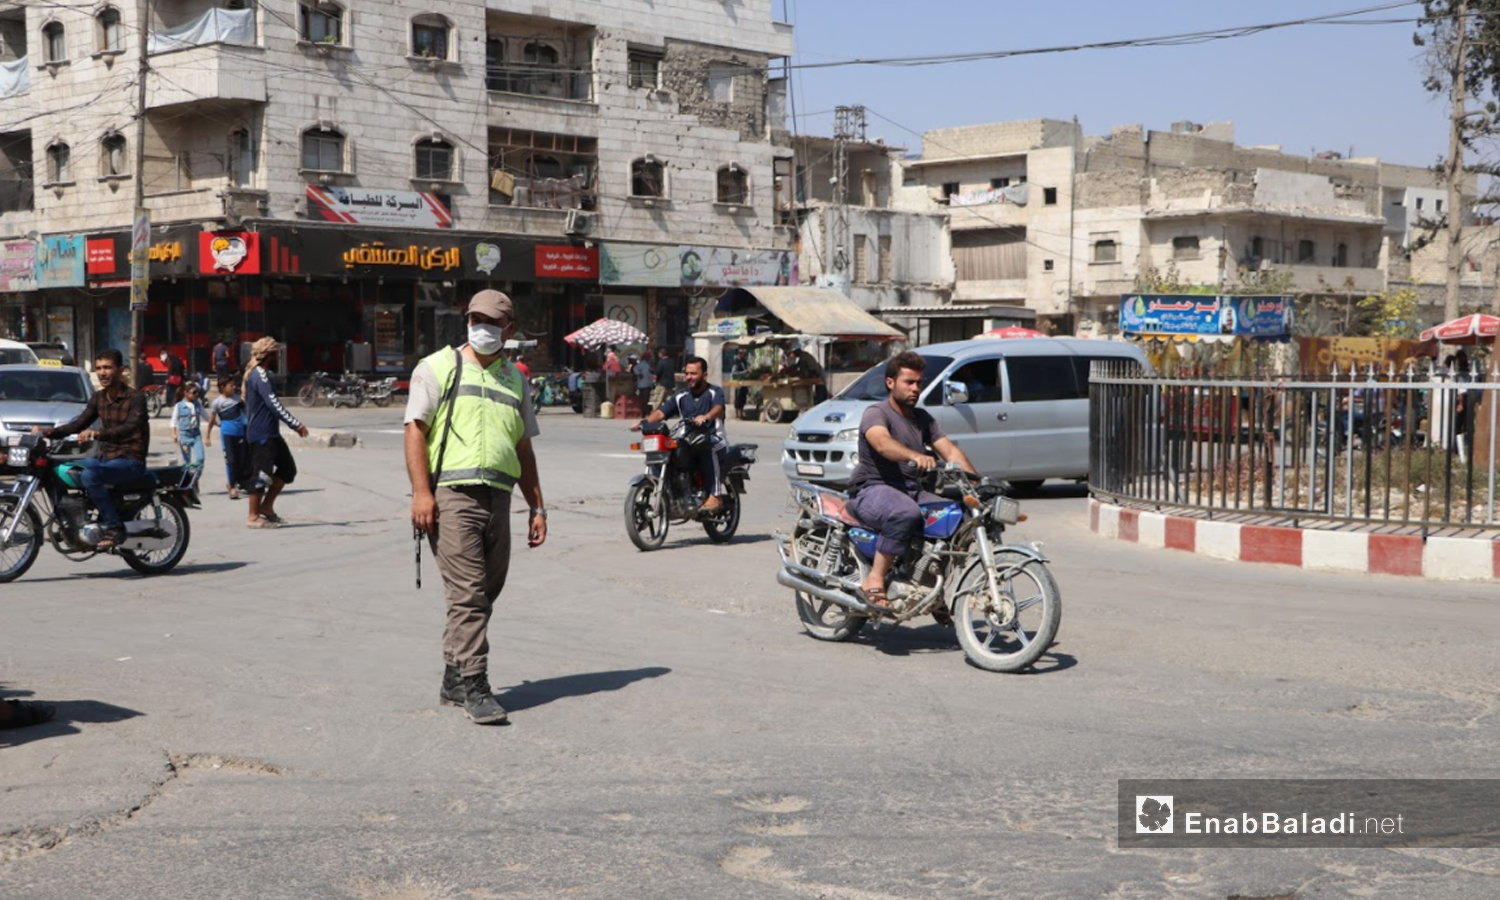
(263, 723)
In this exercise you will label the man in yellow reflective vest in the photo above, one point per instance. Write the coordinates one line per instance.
(469, 426)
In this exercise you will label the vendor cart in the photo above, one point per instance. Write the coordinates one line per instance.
(788, 348)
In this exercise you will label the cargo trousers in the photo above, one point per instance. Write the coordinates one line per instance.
(471, 541)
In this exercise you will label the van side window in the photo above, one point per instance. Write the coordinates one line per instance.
(1035, 378)
(982, 379)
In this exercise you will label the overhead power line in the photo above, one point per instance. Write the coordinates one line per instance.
(1186, 38)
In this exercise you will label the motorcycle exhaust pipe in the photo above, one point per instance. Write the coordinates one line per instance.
(796, 582)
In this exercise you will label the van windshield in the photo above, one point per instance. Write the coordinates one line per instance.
(871, 385)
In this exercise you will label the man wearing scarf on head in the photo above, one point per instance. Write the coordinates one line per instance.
(271, 466)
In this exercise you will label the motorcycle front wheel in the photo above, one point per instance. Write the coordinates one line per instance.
(18, 553)
(381, 401)
(646, 531)
(154, 403)
(1011, 631)
(823, 619)
(722, 527)
(308, 396)
(174, 521)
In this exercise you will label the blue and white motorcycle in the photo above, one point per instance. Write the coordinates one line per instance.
(1005, 604)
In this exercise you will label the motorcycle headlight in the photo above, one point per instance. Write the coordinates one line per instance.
(1006, 511)
(847, 436)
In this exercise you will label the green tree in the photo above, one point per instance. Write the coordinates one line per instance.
(1390, 314)
(1462, 38)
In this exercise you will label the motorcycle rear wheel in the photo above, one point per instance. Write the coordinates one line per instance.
(822, 619)
(175, 522)
(25, 544)
(1013, 636)
(722, 528)
(646, 531)
(308, 396)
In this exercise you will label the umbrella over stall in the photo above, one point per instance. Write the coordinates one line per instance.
(605, 332)
(1475, 329)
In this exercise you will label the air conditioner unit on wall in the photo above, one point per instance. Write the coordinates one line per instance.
(578, 222)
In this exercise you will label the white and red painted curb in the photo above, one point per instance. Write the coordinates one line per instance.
(1435, 558)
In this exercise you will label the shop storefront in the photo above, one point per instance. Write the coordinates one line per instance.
(377, 300)
(672, 288)
(42, 296)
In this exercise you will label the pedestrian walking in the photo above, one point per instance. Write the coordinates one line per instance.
(187, 424)
(221, 359)
(228, 412)
(643, 381)
(461, 488)
(176, 369)
(270, 465)
(666, 378)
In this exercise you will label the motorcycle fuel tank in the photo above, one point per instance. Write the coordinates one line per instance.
(940, 520)
(68, 474)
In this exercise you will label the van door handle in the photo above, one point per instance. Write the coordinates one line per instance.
(1002, 417)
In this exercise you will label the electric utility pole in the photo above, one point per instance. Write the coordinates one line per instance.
(848, 125)
(1454, 168)
(140, 277)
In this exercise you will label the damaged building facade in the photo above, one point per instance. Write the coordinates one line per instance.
(328, 174)
(1047, 218)
(889, 255)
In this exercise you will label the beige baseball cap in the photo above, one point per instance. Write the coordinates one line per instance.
(492, 303)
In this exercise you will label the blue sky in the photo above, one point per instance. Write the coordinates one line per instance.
(1307, 88)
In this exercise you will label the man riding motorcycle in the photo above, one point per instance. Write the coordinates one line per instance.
(884, 491)
(124, 433)
(702, 404)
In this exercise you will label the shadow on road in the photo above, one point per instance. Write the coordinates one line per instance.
(126, 572)
(67, 715)
(904, 640)
(1049, 662)
(1056, 490)
(531, 694)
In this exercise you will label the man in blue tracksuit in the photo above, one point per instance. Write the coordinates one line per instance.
(270, 465)
(703, 404)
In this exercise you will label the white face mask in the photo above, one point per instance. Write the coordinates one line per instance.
(487, 340)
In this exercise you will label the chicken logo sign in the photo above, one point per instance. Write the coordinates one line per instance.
(229, 253)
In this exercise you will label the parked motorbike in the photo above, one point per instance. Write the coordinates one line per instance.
(347, 389)
(1005, 603)
(379, 390)
(42, 497)
(672, 489)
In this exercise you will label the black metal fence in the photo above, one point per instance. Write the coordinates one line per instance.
(1368, 448)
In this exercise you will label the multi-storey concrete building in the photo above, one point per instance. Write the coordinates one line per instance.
(1045, 217)
(330, 173)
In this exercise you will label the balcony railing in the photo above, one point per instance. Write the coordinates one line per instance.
(547, 193)
(532, 80)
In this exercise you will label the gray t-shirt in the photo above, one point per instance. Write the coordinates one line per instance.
(918, 432)
(426, 391)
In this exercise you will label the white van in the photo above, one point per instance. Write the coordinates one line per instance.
(1019, 408)
(15, 353)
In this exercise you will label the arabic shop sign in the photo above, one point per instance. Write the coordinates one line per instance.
(412, 256)
(1254, 316)
(667, 265)
(363, 206)
(60, 261)
(18, 266)
(554, 261)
